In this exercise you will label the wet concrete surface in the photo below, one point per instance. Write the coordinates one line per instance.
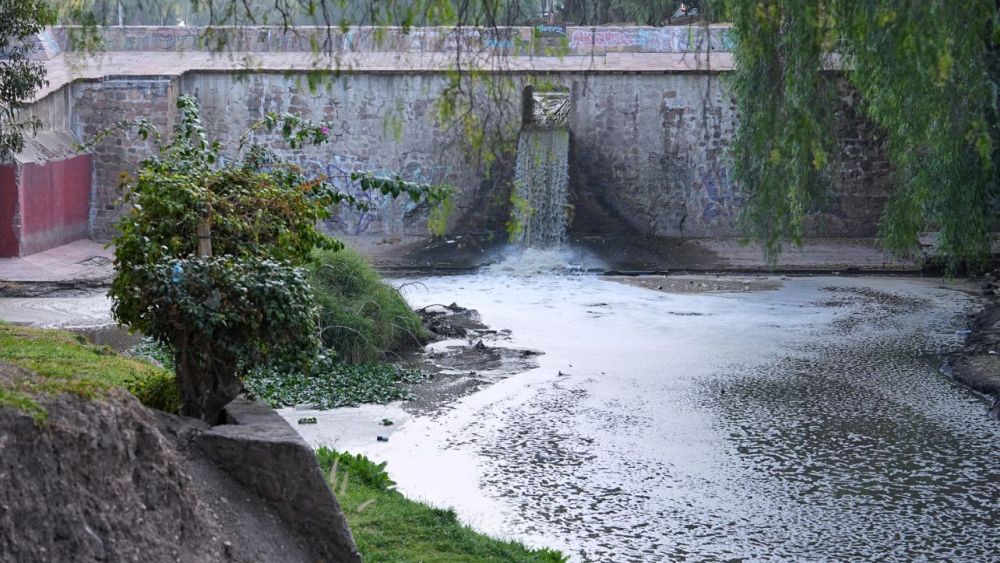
(628, 252)
(64, 309)
(85, 312)
(807, 422)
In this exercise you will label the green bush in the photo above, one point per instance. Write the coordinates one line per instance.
(363, 470)
(362, 318)
(208, 256)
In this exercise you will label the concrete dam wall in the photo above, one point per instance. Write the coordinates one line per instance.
(650, 121)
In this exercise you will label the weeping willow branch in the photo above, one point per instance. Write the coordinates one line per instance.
(925, 73)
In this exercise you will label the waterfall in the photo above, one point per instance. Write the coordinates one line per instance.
(541, 187)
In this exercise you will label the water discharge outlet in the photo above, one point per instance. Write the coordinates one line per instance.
(540, 213)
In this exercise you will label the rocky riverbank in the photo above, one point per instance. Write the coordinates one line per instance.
(977, 364)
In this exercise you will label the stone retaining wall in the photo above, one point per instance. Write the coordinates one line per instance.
(649, 149)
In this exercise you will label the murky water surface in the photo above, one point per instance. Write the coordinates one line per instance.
(809, 423)
(85, 310)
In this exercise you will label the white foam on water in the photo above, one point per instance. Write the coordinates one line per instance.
(526, 262)
(795, 424)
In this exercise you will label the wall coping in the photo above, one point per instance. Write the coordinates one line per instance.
(147, 51)
(509, 41)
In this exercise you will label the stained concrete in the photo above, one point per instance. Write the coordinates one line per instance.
(259, 450)
(651, 121)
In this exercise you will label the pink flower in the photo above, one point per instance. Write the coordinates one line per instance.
(325, 130)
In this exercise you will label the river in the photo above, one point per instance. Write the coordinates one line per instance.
(809, 422)
(804, 423)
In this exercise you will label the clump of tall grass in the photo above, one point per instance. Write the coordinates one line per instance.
(362, 318)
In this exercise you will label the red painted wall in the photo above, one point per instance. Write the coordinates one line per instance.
(8, 208)
(53, 201)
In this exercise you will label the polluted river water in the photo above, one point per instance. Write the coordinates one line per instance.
(808, 421)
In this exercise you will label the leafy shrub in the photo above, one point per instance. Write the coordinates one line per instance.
(362, 318)
(150, 349)
(258, 215)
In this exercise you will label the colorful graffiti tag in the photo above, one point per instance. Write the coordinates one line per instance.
(514, 40)
(654, 40)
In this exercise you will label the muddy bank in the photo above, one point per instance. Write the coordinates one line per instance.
(977, 364)
(695, 284)
(63, 288)
(464, 356)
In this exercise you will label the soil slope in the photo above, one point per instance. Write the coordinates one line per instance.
(110, 480)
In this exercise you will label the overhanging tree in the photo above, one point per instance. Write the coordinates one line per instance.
(20, 77)
(925, 73)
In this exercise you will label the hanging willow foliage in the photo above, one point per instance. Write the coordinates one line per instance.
(925, 72)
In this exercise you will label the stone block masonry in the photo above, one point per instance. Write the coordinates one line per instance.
(653, 152)
(651, 122)
(96, 106)
(381, 123)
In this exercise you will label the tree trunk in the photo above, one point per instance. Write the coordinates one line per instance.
(207, 384)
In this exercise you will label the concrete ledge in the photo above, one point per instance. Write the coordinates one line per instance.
(263, 453)
(70, 67)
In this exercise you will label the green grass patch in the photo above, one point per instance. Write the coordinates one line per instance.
(362, 318)
(330, 383)
(65, 363)
(389, 527)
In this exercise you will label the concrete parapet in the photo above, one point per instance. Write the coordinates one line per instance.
(516, 41)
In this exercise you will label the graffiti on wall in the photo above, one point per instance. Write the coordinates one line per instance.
(721, 200)
(380, 214)
(46, 45)
(678, 39)
(581, 41)
(550, 30)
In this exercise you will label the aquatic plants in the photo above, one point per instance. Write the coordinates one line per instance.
(327, 383)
